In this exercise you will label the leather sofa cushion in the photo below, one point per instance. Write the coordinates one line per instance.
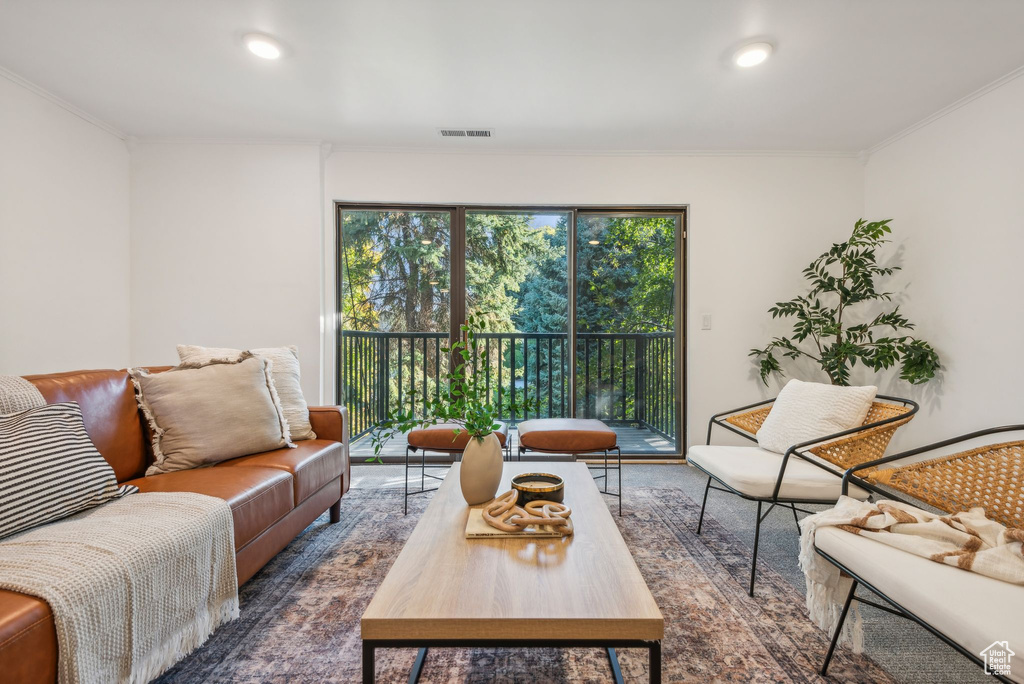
(258, 497)
(566, 435)
(28, 639)
(754, 471)
(311, 464)
(971, 609)
(110, 412)
(441, 437)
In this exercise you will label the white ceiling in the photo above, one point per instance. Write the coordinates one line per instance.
(545, 74)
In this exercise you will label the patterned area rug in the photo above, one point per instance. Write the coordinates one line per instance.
(300, 614)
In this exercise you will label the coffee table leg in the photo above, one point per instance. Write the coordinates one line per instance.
(417, 667)
(613, 660)
(369, 668)
(654, 664)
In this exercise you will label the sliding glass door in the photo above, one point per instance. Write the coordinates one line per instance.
(581, 310)
(626, 332)
(517, 282)
(395, 305)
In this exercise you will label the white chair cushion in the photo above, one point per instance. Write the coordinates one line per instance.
(971, 609)
(809, 410)
(754, 471)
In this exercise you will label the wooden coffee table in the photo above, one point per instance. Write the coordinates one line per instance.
(579, 591)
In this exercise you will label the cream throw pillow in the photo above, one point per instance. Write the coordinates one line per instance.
(285, 371)
(808, 410)
(204, 414)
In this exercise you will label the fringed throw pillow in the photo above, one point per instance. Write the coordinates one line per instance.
(201, 414)
(284, 370)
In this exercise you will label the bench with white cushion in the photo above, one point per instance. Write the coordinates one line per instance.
(753, 472)
(967, 610)
(971, 609)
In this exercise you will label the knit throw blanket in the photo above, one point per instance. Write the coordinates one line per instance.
(134, 584)
(18, 394)
(969, 541)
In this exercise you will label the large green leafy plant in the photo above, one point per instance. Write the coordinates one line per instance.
(842, 278)
(465, 402)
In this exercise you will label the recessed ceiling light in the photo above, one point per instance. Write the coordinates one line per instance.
(593, 242)
(424, 242)
(752, 55)
(262, 45)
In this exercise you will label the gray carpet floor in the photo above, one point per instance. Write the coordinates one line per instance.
(907, 651)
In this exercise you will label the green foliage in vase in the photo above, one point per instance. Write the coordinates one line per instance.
(824, 331)
(465, 401)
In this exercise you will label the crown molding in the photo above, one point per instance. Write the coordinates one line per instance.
(948, 109)
(326, 150)
(832, 154)
(161, 140)
(62, 103)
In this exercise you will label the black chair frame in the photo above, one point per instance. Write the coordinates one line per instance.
(850, 476)
(798, 451)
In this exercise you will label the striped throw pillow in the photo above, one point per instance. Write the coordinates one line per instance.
(49, 468)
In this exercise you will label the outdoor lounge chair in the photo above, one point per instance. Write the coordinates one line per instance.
(970, 612)
(808, 473)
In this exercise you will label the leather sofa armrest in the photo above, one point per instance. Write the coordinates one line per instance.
(331, 422)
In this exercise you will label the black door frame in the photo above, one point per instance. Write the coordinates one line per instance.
(457, 302)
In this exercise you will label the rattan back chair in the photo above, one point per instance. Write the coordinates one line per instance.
(835, 453)
(867, 443)
(989, 476)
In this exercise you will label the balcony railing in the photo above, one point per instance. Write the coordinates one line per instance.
(621, 378)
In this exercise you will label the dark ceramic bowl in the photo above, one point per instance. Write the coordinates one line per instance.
(534, 486)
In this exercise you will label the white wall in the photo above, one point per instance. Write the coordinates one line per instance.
(754, 223)
(64, 263)
(226, 250)
(955, 189)
(106, 262)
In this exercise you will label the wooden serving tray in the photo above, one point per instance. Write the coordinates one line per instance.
(477, 528)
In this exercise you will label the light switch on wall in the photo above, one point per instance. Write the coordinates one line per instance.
(705, 321)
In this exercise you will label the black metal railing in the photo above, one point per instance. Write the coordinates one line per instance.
(621, 378)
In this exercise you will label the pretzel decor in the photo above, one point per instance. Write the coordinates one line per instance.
(503, 514)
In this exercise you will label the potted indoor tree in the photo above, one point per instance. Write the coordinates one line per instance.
(466, 403)
(827, 329)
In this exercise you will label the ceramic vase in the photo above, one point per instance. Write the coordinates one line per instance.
(480, 473)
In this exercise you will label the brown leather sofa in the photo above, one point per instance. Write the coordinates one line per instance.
(273, 497)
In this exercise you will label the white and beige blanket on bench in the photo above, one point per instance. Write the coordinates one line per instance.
(134, 585)
(969, 541)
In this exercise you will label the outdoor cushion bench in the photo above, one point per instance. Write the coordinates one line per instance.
(441, 438)
(970, 612)
(575, 437)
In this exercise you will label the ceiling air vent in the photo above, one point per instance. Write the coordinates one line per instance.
(465, 132)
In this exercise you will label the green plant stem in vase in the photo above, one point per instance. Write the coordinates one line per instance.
(464, 402)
